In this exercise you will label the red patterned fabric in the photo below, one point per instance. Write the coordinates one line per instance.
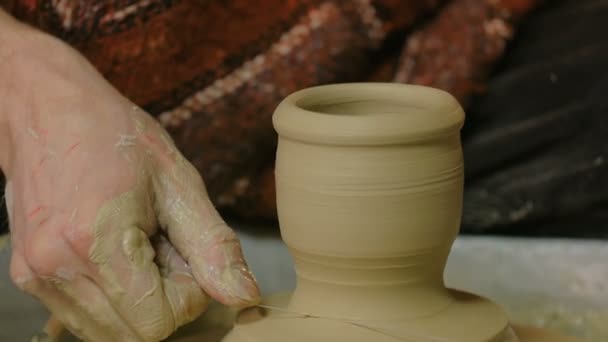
(213, 71)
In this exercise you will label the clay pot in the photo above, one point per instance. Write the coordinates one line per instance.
(369, 194)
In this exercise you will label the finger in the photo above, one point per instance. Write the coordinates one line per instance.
(95, 305)
(65, 286)
(187, 299)
(123, 257)
(69, 314)
(53, 328)
(128, 275)
(203, 239)
(55, 301)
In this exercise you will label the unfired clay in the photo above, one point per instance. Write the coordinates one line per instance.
(369, 192)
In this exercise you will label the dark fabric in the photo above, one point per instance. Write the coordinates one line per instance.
(536, 144)
(213, 71)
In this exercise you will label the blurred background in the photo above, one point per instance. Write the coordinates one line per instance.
(531, 74)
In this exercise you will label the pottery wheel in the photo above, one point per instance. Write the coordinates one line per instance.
(261, 322)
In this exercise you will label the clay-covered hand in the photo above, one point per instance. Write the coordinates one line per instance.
(91, 181)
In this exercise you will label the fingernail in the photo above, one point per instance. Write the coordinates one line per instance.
(245, 285)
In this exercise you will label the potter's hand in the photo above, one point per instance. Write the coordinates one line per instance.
(90, 178)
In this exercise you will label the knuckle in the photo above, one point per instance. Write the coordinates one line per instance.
(41, 254)
(192, 175)
(219, 245)
(221, 235)
(19, 271)
(217, 235)
(78, 239)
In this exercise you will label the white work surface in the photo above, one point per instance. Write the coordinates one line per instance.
(561, 284)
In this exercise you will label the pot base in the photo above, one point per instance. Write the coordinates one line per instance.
(468, 318)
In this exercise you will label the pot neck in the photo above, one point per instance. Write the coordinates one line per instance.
(370, 288)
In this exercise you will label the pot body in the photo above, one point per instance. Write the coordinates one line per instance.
(369, 170)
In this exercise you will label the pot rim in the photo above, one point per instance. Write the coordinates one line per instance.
(430, 113)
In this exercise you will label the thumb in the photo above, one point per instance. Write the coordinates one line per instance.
(202, 238)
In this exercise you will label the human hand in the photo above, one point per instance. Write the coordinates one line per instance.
(90, 178)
